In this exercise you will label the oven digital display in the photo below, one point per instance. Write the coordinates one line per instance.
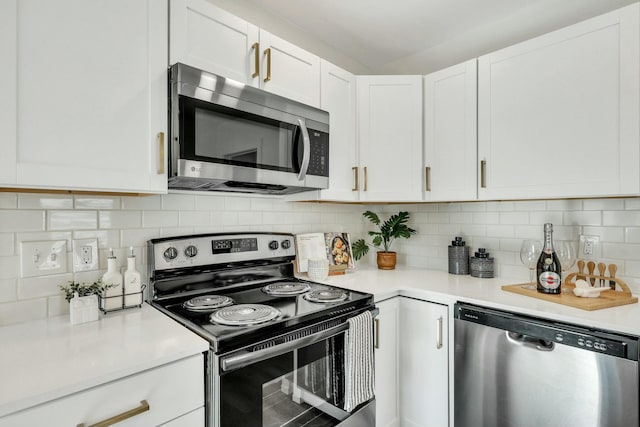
(233, 245)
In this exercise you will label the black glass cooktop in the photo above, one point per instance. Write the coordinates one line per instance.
(294, 311)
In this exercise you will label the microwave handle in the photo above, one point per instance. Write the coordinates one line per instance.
(306, 147)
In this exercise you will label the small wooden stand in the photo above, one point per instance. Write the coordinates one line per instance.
(608, 297)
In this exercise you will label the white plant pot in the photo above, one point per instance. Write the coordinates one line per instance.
(83, 309)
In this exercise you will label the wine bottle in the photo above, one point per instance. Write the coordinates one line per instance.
(548, 267)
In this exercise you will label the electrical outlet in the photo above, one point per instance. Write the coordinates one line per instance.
(589, 246)
(85, 254)
(43, 258)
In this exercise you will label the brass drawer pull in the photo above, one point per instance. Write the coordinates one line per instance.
(365, 179)
(144, 407)
(483, 174)
(377, 338)
(256, 56)
(355, 178)
(427, 178)
(439, 343)
(161, 159)
(268, 53)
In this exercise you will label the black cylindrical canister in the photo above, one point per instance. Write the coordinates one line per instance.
(482, 264)
(458, 257)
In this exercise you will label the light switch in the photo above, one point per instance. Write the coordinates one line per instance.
(43, 258)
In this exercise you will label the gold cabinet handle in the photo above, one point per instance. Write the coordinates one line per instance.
(427, 178)
(439, 333)
(365, 178)
(355, 178)
(377, 337)
(483, 174)
(256, 57)
(144, 407)
(268, 53)
(161, 159)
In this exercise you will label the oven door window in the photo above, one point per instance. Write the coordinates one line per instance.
(218, 134)
(304, 387)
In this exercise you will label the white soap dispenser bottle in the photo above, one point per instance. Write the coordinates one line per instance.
(113, 294)
(132, 282)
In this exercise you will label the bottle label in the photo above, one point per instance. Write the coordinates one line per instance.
(549, 280)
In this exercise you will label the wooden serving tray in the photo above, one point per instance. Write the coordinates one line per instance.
(608, 297)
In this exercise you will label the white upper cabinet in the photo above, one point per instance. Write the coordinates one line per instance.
(91, 95)
(390, 137)
(338, 97)
(207, 37)
(8, 99)
(559, 115)
(450, 142)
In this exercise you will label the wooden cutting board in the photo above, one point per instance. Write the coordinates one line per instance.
(608, 298)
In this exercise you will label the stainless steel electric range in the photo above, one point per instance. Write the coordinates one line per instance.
(278, 344)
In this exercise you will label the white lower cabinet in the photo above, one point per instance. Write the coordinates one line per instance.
(174, 394)
(424, 373)
(387, 347)
(412, 364)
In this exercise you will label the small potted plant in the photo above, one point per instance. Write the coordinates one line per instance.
(393, 228)
(83, 300)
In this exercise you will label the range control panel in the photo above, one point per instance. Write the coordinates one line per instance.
(209, 249)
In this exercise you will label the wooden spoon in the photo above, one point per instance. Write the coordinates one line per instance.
(612, 272)
(580, 270)
(591, 266)
(601, 269)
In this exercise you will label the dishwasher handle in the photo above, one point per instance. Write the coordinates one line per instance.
(529, 341)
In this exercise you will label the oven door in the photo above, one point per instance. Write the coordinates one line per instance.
(296, 383)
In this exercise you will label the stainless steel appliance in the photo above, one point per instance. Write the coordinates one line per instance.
(226, 136)
(277, 344)
(518, 371)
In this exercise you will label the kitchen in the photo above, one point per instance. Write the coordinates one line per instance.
(120, 221)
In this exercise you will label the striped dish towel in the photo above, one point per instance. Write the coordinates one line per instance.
(359, 374)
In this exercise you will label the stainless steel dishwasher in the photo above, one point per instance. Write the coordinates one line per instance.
(518, 371)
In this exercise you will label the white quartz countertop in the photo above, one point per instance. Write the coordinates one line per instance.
(50, 358)
(442, 287)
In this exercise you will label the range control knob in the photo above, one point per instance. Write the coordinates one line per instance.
(170, 253)
(273, 245)
(190, 251)
(286, 244)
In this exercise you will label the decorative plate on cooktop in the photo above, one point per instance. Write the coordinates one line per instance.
(286, 288)
(207, 302)
(326, 295)
(244, 314)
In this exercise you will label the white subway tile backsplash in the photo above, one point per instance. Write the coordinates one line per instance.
(7, 244)
(530, 205)
(620, 251)
(57, 306)
(438, 218)
(607, 234)
(582, 218)
(106, 238)
(542, 217)
(8, 290)
(461, 217)
(120, 219)
(193, 219)
(97, 202)
(621, 218)
(237, 203)
(178, 202)
(473, 207)
(9, 267)
(513, 218)
(500, 206)
(157, 219)
(224, 218)
(632, 203)
(136, 237)
(23, 311)
(8, 200)
(49, 201)
(564, 205)
(142, 203)
(71, 220)
(34, 287)
(22, 220)
(486, 218)
(603, 204)
(442, 207)
(249, 218)
(632, 234)
(501, 230)
(210, 203)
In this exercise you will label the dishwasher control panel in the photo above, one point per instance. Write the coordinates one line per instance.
(544, 333)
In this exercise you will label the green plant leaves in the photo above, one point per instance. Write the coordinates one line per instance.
(393, 228)
(359, 249)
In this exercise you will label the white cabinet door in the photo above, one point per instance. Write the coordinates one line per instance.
(390, 137)
(92, 94)
(387, 348)
(8, 100)
(204, 36)
(338, 97)
(450, 139)
(559, 115)
(288, 70)
(424, 389)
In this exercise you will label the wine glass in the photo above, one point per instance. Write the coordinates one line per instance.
(566, 254)
(529, 254)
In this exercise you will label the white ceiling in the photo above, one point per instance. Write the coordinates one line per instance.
(419, 36)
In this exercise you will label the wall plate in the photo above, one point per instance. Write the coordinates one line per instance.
(43, 258)
(589, 247)
(85, 254)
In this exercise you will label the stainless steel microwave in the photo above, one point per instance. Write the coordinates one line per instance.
(227, 136)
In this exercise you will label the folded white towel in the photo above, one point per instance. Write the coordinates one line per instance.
(359, 367)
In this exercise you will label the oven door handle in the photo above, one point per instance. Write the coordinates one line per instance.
(246, 358)
(306, 150)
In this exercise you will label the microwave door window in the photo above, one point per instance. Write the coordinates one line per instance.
(239, 139)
